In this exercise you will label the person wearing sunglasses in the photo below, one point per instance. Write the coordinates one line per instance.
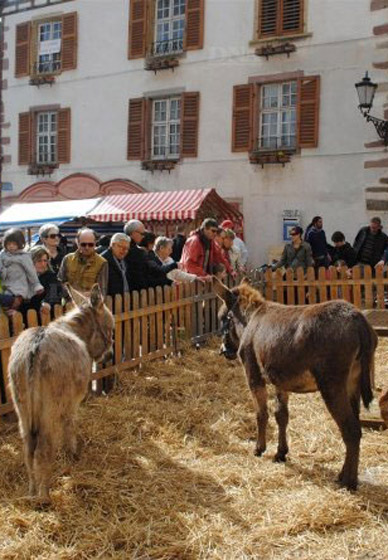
(84, 268)
(297, 253)
(50, 239)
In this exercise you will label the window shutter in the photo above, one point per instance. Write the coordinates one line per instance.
(69, 41)
(136, 128)
(308, 111)
(64, 135)
(268, 17)
(189, 124)
(194, 25)
(292, 16)
(242, 125)
(137, 29)
(22, 52)
(25, 138)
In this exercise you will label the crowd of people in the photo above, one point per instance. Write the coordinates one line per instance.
(36, 277)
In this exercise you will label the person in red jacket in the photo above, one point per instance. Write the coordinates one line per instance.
(201, 253)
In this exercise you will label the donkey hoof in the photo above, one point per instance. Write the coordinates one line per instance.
(349, 485)
(258, 452)
(279, 458)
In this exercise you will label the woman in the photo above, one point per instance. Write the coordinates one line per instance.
(53, 290)
(50, 239)
(297, 253)
(163, 249)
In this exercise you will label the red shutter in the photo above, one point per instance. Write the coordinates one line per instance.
(25, 138)
(189, 124)
(292, 16)
(64, 135)
(268, 17)
(137, 29)
(308, 111)
(194, 30)
(22, 51)
(242, 125)
(69, 41)
(136, 129)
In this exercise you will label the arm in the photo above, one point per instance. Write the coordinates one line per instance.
(62, 273)
(31, 274)
(190, 258)
(282, 261)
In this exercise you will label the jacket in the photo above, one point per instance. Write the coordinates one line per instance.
(18, 274)
(295, 258)
(115, 276)
(82, 273)
(194, 253)
(317, 239)
(177, 246)
(381, 243)
(344, 253)
(159, 270)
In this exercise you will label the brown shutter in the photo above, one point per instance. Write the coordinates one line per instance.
(268, 17)
(189, 124)
(137, 29)
(194, 30)
(136, 128)
(69, 41)
(22, 53)
(242, 125)
(308, 111)
(25, 138)
(64, 135)
(292, 16)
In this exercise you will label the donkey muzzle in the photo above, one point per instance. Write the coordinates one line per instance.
(227, 352)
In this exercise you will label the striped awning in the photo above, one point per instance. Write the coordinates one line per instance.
(163, 206)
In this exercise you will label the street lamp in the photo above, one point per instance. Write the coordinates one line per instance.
(366, 90)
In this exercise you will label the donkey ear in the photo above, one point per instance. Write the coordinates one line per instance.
(77, 298)
(223, 292)
(246, 280)
(96, 298)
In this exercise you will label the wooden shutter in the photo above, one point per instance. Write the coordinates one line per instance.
(25, 138)
(189, 124)
(22, 52)
(136, 128)
(64, 135)
(194, 30)
(137, 29)
(69, 41)
(308, 111)
(242, 125)
(292, 16)
(268, 17)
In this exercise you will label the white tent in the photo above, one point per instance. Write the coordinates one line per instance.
(36, 214)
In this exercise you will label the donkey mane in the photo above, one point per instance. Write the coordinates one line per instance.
(250, 299)
(80, 320)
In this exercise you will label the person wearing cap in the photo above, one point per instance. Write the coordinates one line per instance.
(238, 243)
(370, 243)
(297, 253)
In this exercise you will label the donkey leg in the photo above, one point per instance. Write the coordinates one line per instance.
(281, 415)
(345, 414)
(70, 437)
(43, 465)
(29, 443)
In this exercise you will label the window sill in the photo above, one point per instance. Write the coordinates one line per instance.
(263, 156)
(162, 62)
(159, 165)
(42, 79)
(272, 49)
(279, 39)
(41, 168)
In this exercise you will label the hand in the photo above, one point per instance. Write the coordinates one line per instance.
(45, 308)
(380, 263)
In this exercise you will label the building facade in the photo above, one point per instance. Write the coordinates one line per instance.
(253, 97)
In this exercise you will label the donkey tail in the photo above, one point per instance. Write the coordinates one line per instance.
(368, 344)
(34, 382)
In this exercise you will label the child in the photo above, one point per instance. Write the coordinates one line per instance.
(18, 275)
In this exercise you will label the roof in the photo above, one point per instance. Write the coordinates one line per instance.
(38, 213)
(164, 206)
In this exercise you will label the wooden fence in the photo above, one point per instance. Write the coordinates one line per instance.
(152, 324)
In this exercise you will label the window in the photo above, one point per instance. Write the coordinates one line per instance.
(169, 27)
(278, 115)
(280, 17)
(46, 137)
(49, 47)
(166, 116)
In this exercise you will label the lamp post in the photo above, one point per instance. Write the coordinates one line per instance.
(366, 90)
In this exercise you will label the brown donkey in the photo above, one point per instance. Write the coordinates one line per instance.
(327, 347)
(49, 369)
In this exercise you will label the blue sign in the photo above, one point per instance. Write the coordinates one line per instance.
(6, 187)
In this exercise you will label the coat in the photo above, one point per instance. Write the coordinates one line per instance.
(115, 276)
(193, 256)
(295, 258)
(18, 274)
(381, 243)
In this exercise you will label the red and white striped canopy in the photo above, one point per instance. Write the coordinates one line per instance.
(163, 206)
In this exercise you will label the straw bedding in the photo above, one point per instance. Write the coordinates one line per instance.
(168, 472)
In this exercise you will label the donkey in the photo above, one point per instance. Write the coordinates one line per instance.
(49, 370)
(327, 347)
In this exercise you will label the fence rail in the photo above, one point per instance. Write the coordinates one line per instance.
(152, 324)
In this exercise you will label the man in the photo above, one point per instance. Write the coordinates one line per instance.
(342, 252)
(84, 268)
(230, 251)
(200, 252)
(238, 243)
(117, 269)
(317, 239)
(370, 243)
(136, 258)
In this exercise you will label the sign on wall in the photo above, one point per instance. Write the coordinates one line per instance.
(291, 218)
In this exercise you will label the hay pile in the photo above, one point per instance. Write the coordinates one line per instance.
(168, 472)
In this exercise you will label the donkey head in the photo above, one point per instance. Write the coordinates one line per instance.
(95, 321)
(231, 318)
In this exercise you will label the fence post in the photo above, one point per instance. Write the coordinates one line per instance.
(380, 287)
(5, 352)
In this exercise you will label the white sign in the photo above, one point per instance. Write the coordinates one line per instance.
(291, 214)
(50, 47)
